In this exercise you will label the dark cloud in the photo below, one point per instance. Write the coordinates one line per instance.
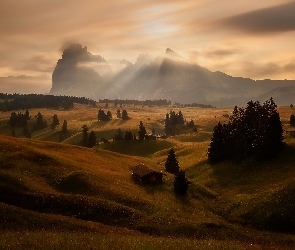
(267, 70)
(279, 18)
(219, 52)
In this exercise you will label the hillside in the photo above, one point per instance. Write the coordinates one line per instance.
(61, 188)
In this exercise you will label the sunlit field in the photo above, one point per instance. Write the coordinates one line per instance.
(60, 195)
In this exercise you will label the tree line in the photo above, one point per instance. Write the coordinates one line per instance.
(29, 101)
(254, 131)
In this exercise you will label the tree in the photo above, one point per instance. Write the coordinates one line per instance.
(171, 164)
(84, 141)
(128, 135)
(40, 122)
(180, 183)
(254, 131)
(119, 114)
(292, 120)
(125, 115)
(109, 114)
(13, 132)
(102, 116)
(119, 135)
(217, 148)
(168, 126)
(27, 115)
(55, 121)
(91, 140)
(141, 131)
(64, 128)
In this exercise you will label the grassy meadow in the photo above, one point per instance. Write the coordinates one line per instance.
(57, 194)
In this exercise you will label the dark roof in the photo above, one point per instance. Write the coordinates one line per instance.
(143, 170)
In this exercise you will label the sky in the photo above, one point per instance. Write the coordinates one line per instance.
(250, 38)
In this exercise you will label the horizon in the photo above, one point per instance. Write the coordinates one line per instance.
(249, 40)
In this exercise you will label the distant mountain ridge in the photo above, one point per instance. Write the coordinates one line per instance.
(167, 76)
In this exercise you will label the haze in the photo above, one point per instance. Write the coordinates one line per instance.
(251, 38)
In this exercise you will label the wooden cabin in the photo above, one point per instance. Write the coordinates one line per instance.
(146, 175)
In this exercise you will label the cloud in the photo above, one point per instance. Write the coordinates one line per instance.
(25, 84)
(40, 63)
(213, 53)
(268, 70)
(280, 18)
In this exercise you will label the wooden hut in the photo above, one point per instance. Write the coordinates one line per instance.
(146, 175)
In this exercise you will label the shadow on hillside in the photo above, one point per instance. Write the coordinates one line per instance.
(264, 184)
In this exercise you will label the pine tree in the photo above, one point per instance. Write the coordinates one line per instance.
(128, 135)
(84, 141)
(119, 135)
(180, 183)
(141, 131)
(55, 121)
(171, 164)
(40, 122)
(119, 114)
(216, 151)
(91, 140)
(109, 114)
(64, 128)
(125, 115)
(292, 120)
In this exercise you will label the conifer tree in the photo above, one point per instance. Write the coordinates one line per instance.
(55, 121)
(125, 115)
(141, 131)
(292, 120)
(119, 114)
(91, 140)
(84, 141)
(119, 135)
(64, 128)
(180, 183)
(128, 135)
(171, 164)
(40, 122)
(216, 151)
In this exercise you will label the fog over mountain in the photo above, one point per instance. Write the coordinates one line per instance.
(167, 76)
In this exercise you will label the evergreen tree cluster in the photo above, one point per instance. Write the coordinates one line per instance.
(254, 131)
(19, 119)
(102, 116)
(88, 140)
(172, 166)
(121, 136)
(29, 101)
(171, 121)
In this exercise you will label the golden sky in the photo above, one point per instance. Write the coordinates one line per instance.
(241, 38)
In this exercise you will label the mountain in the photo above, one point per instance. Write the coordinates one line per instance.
(167, 76)
(79, 73)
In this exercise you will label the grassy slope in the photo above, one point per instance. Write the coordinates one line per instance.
(47, 183)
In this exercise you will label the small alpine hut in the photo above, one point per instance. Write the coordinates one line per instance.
(146, 175)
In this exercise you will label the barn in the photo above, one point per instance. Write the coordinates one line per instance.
(146, 175)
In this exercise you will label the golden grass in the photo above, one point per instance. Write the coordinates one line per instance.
(221, 199)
